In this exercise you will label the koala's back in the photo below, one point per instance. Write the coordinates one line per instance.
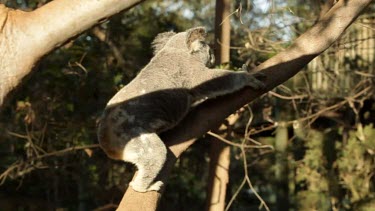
(169, 69)
(154, 101)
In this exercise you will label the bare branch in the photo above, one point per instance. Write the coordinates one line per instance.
(27, 36)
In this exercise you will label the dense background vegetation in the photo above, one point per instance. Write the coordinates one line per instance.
(320, 124)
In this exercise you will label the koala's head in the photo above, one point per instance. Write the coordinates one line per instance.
(192, 40)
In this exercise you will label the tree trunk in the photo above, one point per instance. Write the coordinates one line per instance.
(281, 167)
(218, 177)
(222, 31)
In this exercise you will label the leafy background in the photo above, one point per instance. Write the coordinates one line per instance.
(50, 160)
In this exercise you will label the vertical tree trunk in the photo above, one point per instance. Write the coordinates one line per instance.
(281, 167)
(220, 152)
(218, 176)
(222, 31)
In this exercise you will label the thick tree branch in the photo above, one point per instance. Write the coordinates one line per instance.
(324, 7)
(278, 69)
(27, 36)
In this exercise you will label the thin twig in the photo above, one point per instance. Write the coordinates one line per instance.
(238, 145)
(262, 202)
(19, 164)
(235, 194)
(74, 148)
(228, 16)
(246, 176)
(287, 97)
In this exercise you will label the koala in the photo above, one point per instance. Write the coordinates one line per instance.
(177, 79)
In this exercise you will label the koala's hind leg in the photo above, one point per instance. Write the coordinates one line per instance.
(148, 153)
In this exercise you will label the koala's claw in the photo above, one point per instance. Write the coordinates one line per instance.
(156, 186)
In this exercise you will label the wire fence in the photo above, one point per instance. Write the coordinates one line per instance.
(350, 60)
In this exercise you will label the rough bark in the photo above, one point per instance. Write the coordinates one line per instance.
(278, 69)
(27, 36)
(218, 176)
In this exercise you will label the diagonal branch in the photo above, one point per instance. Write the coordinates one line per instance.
(27, 36)
(278, 69)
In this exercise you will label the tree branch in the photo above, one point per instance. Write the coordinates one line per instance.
(278, 69)
(27, 36)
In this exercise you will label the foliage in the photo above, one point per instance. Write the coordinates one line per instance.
(356, 166)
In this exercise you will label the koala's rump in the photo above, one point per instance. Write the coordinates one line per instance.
(151, 112)
(157, 111)
(148, 113)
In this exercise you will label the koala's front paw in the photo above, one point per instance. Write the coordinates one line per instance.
(254, 80)
(141, 188)
(138, 187)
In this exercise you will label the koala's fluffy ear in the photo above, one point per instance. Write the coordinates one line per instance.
(160, 41)
(194, 34)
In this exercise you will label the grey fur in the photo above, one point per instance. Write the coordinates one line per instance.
(160, 40)
(176, 79)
